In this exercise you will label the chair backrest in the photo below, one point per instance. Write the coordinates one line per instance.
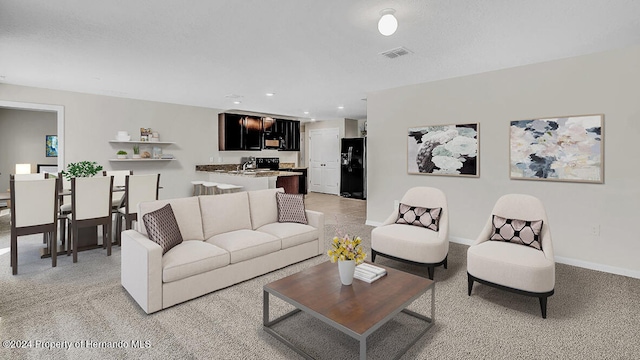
(37, 176)
(429, 197)
(118, 176)
(524, 207)
(64, 185)
(140, 188)
(91, 197)
(34, 202)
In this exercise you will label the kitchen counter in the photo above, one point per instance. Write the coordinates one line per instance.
(251, 179)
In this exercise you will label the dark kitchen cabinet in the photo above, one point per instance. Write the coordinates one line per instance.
(289, 132)
(239, 132)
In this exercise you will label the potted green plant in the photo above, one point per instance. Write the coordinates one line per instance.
(81, 169)
(136, 151)
(122, 154)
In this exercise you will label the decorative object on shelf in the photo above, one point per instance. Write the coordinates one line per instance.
(443, 150)
(154, 136)
(122, 154)
(123, 136)
(156, 152)
(146, 155)
(136, 151)
(82, 169)
(348, 253)
(145, 134)
(51, 145)
(567, 148)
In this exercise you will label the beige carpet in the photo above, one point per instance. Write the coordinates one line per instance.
(592, 315)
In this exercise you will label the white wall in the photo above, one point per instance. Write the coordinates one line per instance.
(600, 83)
(92, 120)
(22, 140)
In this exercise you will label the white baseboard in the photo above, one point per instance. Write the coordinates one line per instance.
(559, 259)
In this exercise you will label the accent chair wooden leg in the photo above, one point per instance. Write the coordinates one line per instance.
(373, 255)
(469, 283)
(430, 271)
(445, 261)
(543, 306)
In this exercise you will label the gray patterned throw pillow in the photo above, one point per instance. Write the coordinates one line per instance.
(162, 228)
(419, 216)
(517, 231)
(291, 208)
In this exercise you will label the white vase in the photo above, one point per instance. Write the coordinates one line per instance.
(346, 268)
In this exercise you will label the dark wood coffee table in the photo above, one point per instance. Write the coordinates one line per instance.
(359, 312)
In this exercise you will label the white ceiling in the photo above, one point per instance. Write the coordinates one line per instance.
(315, 55)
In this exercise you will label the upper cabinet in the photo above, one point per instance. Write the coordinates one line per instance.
(248, 132)
(289, 134)
(239, 132)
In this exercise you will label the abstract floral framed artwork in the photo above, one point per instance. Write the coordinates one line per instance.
(443, 150)
(568, 148)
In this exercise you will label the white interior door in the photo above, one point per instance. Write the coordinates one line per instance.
(324, 160)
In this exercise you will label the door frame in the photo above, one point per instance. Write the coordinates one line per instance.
(58, 109)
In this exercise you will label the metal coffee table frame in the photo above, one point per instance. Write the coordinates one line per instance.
(362, 338)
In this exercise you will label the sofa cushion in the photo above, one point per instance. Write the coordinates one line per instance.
(224, 213)
(246, 244)
(291, 234)
(419, 216)
(264, 209)
(162, 227)
(291, 208)
(186, 211)
(191, 258)
(517, 231)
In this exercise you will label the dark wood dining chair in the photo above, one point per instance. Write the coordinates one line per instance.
(90, 207)
(138, 188)
(34, 210)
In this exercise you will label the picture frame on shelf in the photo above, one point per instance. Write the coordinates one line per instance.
(450, 150)
(51, 145)
(563, 148)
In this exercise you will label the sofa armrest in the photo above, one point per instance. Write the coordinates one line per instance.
(316, 219)
(141, 270)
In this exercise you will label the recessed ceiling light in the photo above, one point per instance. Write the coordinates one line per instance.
(237, 102)
(233, 96)
(270, 94)
(340, 107)
(306, 113)
(313, 119)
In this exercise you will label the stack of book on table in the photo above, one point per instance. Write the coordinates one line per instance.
(369, 273)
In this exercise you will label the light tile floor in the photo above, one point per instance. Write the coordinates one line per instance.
(350, 210)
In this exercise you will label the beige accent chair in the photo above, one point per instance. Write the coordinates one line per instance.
(34, 211)
(510, 266)
(414, 244)
(90, 206)
(138, 188)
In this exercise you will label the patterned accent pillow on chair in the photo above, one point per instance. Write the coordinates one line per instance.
(419, 216)
(517, 231)
(291, 208)
(162, 228)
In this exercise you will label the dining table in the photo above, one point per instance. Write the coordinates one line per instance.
(87, 237)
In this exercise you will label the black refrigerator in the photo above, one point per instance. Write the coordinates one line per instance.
(353, 168)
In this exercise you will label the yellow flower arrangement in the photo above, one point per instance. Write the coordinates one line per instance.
(347, 248)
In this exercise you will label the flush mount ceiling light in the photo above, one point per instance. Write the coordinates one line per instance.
(270, 94)
(388, 24)
(237, 102)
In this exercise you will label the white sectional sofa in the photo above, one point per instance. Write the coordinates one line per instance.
(227, 239)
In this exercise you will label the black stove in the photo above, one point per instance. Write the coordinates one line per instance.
(268, 163)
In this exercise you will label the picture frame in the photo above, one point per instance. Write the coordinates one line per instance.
(51, 145)
(450, 150)
(562, 148)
